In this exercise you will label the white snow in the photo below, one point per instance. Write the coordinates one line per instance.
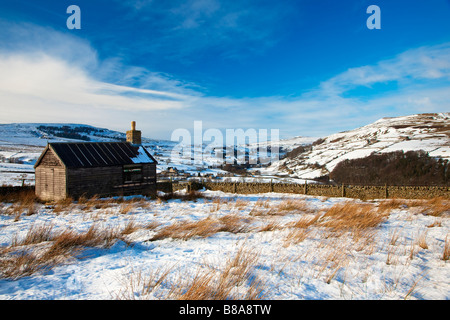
(319, 267)
(142, 157)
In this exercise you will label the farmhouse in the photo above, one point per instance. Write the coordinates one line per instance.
(96, 168)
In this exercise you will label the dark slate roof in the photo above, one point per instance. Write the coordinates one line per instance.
(100, 154)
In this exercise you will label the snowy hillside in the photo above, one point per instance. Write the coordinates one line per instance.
(22, 143)
(428, 132)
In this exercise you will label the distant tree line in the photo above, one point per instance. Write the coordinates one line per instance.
(395, 168)
(297, 151)
(78, 133)
(67, 132)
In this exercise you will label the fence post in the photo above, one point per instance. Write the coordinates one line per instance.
(386, 193)
(343, 191)
(271, 186)
(306, 187)
(234, 188)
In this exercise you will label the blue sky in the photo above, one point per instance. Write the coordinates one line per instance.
(305, 67)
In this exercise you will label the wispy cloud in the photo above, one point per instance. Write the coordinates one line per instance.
(415, 65)
(187, 27)
(49, 76)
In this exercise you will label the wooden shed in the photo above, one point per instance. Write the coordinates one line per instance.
(94, 168)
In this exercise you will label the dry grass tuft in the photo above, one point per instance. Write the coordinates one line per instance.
(139, 285)
(271, 226)
(438, 206)
(35, 235)
(234, 280)
(187, 230)
(295, 236)
(203, 228)
(22, 202)
(305, 221)
(22, 258)
(22, 196)
(235, 224)
(293, 206)
(22, 264)
(208, 285)
(63, 205)
(351, 217)
(130, 227)
(126, 207)
(240, 204)
(422, 240)
(391, 204)
(446, 253)
(70, 240)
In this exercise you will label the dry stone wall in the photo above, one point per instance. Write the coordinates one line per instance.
(359, 192)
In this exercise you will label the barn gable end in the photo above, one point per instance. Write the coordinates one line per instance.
(50, 176)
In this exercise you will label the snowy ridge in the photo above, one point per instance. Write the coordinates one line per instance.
(427, 132)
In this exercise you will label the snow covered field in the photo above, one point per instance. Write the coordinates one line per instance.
(262, 246)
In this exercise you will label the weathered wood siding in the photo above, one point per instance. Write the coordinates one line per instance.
(50, 178)
(109, 181)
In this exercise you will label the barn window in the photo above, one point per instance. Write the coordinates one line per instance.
(132, 173)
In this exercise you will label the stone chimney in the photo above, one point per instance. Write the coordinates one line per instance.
(133, 135)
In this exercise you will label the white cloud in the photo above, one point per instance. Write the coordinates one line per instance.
(424, 63)
(52, 84)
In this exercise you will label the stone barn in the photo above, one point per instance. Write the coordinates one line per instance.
(95, 168)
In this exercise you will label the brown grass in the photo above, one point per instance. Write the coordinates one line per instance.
(19, 196)
(285, 207)
(130, 227)
(35, 235)
(305, 222)
(295, 236)
(351, 217)
(293, 206)
(438, 206)
(207, 285)
(22, 259)
(235, 224)
(271, 226)
(140, 285)
(22, 202)
(69, 240)
(422, 240)
(203, 228)
(22, 264)
(240, 204)
(391, 204)
(233, 280)
(217, 203)
(188, 230)
(63, 205)
(446, 253)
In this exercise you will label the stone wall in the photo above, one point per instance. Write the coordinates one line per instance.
(359, 192)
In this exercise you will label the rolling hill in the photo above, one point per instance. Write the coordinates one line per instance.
(427, 132)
